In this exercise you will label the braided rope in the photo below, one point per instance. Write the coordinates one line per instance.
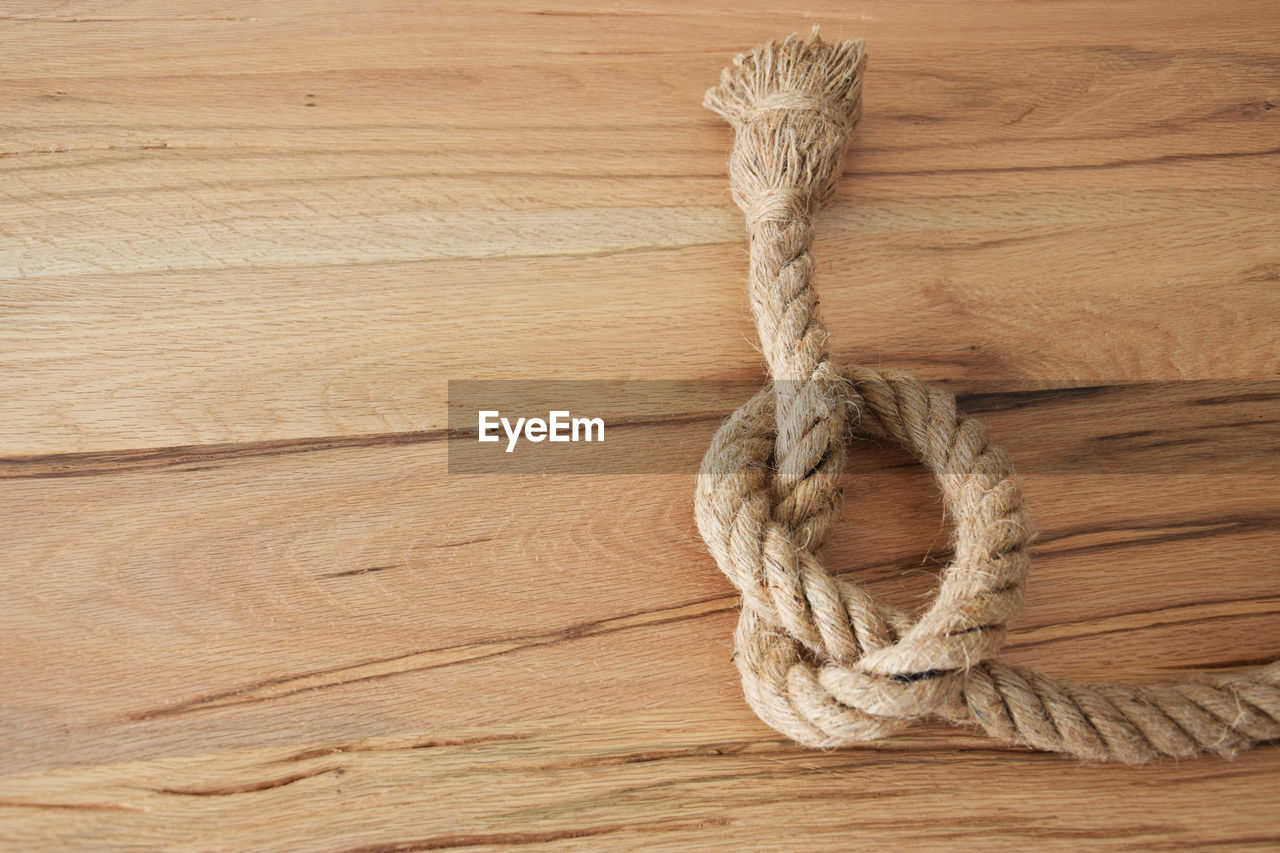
(821, 661)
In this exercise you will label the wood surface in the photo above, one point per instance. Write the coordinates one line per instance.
(244, 247)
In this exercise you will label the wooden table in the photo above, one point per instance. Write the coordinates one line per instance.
(245, 246)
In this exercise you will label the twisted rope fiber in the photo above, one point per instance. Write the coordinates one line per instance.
(821, 661)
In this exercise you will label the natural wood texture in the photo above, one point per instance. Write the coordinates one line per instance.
(244, 247)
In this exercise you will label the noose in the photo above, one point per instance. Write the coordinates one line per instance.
(821, 661)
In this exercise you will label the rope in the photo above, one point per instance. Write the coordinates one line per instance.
(821, 660)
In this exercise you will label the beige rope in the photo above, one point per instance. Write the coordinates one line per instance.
(821, 661)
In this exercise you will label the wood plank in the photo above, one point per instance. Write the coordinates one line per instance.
(263, 355)
(374, 577)
(988, 208)
(651, 780)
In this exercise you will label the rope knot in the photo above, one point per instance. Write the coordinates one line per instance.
(820, 659)
(823, 661)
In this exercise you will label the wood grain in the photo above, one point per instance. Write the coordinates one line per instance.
(244, 247)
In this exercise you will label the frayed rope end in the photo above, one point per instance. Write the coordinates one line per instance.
(800, 72)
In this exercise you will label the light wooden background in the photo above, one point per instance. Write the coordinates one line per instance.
(243, 605)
